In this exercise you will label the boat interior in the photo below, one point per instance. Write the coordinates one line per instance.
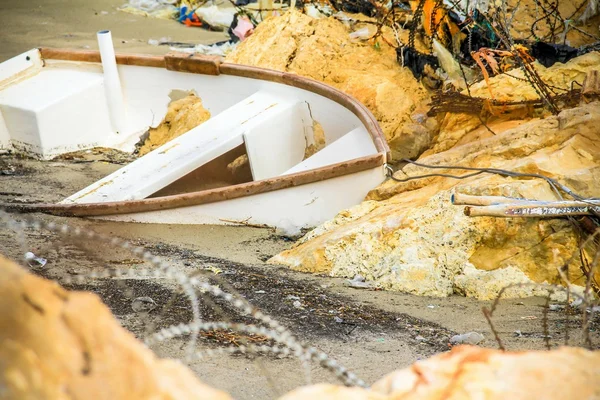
(54, 102)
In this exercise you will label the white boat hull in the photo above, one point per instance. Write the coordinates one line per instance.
(289, 209)
(269, 114)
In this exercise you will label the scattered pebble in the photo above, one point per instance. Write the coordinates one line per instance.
(420, 339)
(297, 304)
(10, 170)
(143, 304)
(358, 282)
(467, 338)
(35, 261)
(431, 306)
(338, 320)
(292, 297)
(260, 291)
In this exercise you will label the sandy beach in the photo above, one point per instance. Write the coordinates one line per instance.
(372, 332)
(73, 24)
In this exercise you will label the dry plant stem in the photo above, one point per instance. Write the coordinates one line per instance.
(531, 74)
(567, 303)
(555, 185)
(488, 316)
(545, 323)
(587, 301)
(489, 313)
(566, 278)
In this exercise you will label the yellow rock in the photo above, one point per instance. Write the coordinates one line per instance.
(409, 237)
(469, 373)
(462, 128)
(321, 49)
(58, 344)
(318, 141)
(182, 115)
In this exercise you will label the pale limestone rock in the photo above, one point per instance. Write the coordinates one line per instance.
(470, 373)
(59, 344)
(321, 49)
(409, 236)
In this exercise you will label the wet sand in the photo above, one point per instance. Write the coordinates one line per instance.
(73, 24)
(379, 331)
(371, 332)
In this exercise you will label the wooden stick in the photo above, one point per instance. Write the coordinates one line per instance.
(467, 199)
(536, 209)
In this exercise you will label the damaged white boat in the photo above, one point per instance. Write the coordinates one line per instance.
(54, 101)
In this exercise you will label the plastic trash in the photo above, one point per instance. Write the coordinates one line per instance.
(415, 61)
(188, 17)
(364, 7)
(158, 42)
(241, 27)
(358, 282)
(362, 34)
(548, 54)
(35, 261)
(288, 229)
(467, 338)
(143, 304)
(216, 17)
(448, 63)
(217, 49)
(165, 9)
(317, 12)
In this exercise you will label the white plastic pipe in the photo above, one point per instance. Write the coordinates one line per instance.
(112, 83)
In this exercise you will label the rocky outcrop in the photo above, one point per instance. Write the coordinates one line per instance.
(58, 344)
(321, 49)
(409, 237)
(456, 128)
